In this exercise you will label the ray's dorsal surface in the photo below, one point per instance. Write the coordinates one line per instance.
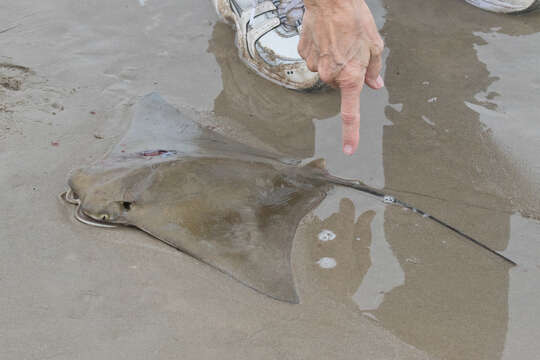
(229, 205)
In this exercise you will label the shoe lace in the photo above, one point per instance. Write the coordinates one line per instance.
(290, 12)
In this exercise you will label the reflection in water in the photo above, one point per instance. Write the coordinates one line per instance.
(351, 217)
(510, 108)
(454, 301)
(524, 292)
(513, 118)
(283, 119)
(276, 116)
(441, 294)
(385, 272)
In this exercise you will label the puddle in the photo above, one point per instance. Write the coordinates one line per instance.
(423, 138)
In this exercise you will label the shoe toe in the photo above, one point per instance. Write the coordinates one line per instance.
(281, 58)
(276, 49)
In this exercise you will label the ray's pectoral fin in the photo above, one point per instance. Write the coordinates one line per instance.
(251, 241)
(157, 125)
(278, 224)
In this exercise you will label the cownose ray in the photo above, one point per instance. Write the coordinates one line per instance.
(227, 204)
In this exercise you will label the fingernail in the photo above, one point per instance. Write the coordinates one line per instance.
(347, 149)
(380, 81)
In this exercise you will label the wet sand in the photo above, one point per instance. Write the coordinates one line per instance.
(454, 132)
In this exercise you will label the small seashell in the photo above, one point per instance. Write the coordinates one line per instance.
(327, 262)
(326, 235)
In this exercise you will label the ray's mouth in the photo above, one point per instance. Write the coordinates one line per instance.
(100, 218)
(100, 221)
(93, 220)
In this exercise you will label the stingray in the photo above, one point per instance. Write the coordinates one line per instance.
(227, 204)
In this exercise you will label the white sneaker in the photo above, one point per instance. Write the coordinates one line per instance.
(267, 36)
(506, 6)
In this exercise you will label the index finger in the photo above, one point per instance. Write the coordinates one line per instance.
(350, 116)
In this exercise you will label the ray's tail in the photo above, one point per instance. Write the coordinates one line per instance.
(392, 200)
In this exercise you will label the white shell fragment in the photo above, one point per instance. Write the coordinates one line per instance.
(326, 235)
(389, 199)
(327, 262)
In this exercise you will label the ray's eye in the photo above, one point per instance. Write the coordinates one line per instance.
(104, 217)
(126, 205)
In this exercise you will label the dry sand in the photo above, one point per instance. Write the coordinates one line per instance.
(455, 132)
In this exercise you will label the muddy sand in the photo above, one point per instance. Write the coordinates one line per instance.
(455, 132)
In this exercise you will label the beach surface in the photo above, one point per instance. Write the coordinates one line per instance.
(455, 132)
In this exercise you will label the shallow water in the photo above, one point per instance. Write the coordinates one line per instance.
(454, 132)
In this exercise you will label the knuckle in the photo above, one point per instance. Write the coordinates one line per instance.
(303, 47)
(311, 66)
(362, 64)
(377, 47)
(349, 119)
(348, 85)
(357, 66)
(350, 137)
(301, 50)
(351, 82)
(325, 75)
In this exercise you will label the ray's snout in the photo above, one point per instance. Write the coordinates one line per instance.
(98, 198)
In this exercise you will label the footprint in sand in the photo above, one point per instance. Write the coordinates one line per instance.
(12, 76)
